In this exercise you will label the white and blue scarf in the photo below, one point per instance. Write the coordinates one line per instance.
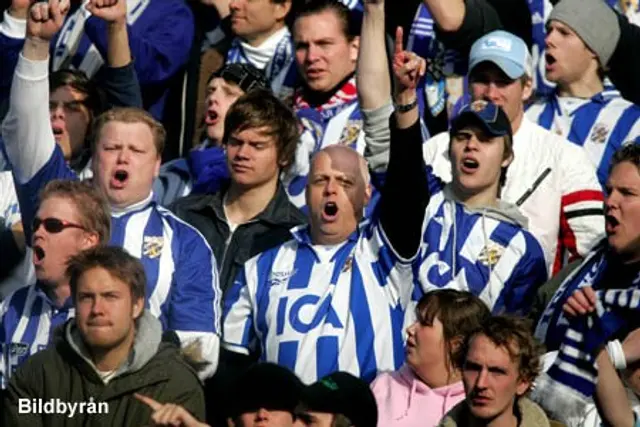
(564, 389)
(278, 63)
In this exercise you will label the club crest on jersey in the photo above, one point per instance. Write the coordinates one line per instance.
(599, 133)
(347, 264)
(491, 254)
(280, 277)
(18, 349)
(152, 246)
(351, 132)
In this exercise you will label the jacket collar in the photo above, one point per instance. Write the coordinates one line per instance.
(279, 209)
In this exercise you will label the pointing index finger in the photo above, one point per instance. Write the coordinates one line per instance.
(399, 48)
(148, 401)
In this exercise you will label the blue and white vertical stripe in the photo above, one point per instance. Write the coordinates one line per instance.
(27, 321)
(601, 125)
(317, 309)
(479, 252)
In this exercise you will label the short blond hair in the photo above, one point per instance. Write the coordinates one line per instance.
(130, 115)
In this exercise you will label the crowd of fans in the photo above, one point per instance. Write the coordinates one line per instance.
(331, 213)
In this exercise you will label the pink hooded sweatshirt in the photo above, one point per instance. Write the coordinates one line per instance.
(405, 401)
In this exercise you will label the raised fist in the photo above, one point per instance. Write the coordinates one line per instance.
(45, 19)
(109, 10)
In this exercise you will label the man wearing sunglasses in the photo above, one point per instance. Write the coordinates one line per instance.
(182, 279)
(72, 217)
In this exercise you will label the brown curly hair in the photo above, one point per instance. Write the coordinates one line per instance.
(512, 333)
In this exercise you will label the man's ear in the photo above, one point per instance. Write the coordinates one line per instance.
(89, 240)
(354, 48)
(522, 387)
(282, 9)
(138, 306)
(527, 90)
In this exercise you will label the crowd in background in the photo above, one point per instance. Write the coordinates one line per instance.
(320, 213)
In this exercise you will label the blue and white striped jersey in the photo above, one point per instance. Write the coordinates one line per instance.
(27, 320)
(487, 252)
(318, 309)
(601, 125)
(182, 278)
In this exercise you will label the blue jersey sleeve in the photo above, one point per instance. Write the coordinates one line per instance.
(29, 192)
(195, 291)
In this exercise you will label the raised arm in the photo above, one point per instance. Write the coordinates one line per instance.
(611, 396)
(374, 86)
(27, 134)
(118, 78)
(160, 45)
(372, 72)
(405, 194)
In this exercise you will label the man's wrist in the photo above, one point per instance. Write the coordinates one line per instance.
(405, 100)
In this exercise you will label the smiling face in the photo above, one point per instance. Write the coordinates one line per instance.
(491, 380)
(477, 160)
(337, 191)
(622, 210)
(324, 55)
(567, 58)
(220, 95)
(105, 310)
(70, 119)
(126, 162)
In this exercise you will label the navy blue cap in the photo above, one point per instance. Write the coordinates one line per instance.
(486, 114)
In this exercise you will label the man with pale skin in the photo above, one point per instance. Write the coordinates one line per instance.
(333, 270)
(112, 343)
(499, 363)
(126, 154)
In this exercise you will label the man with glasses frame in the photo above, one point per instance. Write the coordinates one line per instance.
(72, 217)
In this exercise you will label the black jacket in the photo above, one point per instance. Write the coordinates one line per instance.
(270, 228)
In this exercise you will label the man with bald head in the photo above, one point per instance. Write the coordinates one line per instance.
(333, 298)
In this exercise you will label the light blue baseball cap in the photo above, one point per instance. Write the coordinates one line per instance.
(507, 51)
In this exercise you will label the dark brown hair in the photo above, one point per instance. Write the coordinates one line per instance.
(349, 22)
(460, 313)
(93, 211)
(261, 109)
(116, 261)
(514, 335)
(629, 152)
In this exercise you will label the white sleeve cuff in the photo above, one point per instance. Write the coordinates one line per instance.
(13, 27)
(32, 70)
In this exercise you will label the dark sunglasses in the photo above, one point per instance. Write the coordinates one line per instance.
(53, 225)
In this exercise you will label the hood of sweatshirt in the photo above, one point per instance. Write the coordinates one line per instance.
(502, 211)
(418, 391)
(145, 346)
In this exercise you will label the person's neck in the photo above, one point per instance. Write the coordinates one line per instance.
(439, 376)
(58, 293)
(243, 204)
(585, 88)
(110, 359)
(478, 200)
(316, 98)
(257, 39)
